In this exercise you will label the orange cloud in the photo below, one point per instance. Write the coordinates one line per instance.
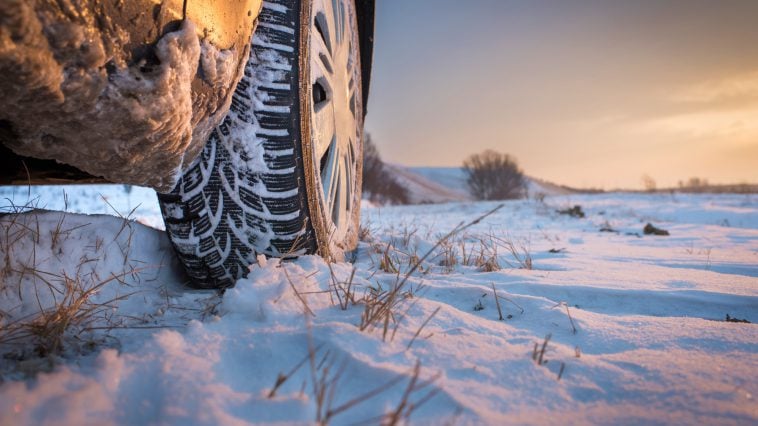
(741, 86)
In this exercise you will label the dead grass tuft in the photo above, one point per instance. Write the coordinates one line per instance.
(343, 290)
(72, 313)
(63, 311)
(387, 263)
(381, 306)
(519, 250)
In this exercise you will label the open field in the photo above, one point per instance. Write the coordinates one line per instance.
(527, 316)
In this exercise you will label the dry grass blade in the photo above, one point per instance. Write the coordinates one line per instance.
(538, 354)
(429, 318)
(306, 308)
(386, 264)
(497, 302)
(331, 412)
(364, 233)
(509, 300)
(573, 326)
(344, 291)
(406, 407)
(402, 316)
(325, 382)
(568, 313)
(282, 378)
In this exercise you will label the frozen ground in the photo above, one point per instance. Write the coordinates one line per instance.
(636, 322)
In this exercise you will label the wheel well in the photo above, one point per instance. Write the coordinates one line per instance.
(365, 10)
(19, 170)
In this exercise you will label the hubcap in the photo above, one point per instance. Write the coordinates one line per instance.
(336, 111)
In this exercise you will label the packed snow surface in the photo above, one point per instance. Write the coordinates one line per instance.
(612, 327)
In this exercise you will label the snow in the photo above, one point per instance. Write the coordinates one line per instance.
(90, 199)
(427, 185)
(636, 322)
(424, 190)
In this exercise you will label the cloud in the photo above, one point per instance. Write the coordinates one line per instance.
(737, 124)
(723, 109)
(736, 87)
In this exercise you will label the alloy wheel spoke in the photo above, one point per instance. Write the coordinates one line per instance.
(336, 11)
(340, 204)
(349, 176)
(329, 174)
(323, 58)
(331, 12)
(324, 131)
(351, 96)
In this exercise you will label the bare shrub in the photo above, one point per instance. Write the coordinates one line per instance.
(379, 185)
(491, 175)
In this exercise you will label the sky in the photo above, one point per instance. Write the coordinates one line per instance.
(593, 93)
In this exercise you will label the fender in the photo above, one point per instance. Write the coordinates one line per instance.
(20, 170)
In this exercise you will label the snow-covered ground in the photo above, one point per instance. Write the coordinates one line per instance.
(119, 200)
(610, 327)
(448, 184)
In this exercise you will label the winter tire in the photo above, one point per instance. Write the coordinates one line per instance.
(281, 175)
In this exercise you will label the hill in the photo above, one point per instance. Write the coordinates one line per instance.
(431, 185)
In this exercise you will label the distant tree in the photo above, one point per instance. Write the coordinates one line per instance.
(694, 184)
(379, 185)
(648, 183)
(697, 183)
(491, 175)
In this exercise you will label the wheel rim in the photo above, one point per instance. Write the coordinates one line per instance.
(336, 119)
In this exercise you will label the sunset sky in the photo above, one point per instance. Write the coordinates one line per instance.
(591, 93)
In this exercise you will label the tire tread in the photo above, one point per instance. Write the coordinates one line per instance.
(226, 209)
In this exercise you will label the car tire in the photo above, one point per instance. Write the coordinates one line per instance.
(281, 175)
